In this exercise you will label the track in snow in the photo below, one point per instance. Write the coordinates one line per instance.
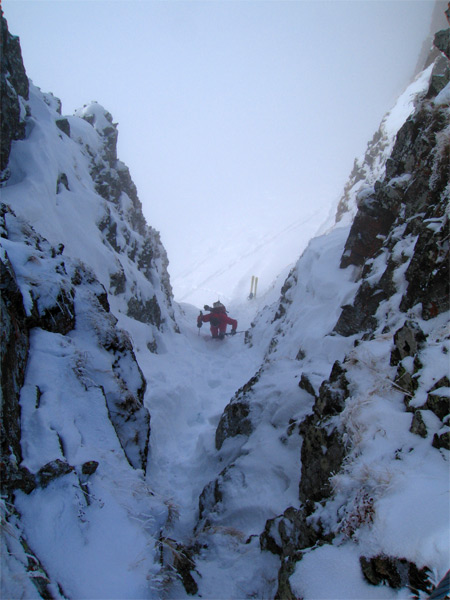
(188, 389)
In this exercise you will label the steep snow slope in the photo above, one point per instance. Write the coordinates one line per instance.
(224, 270)
(82, 432)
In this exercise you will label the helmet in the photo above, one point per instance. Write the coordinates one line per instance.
(218, 305)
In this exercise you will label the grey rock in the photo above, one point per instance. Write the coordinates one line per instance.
(442, 440)
(53, 470)
(440, 75)
(117, 282)
(145, 311)
(306, 385)
(236, 419)
(14, 348)
(62, 182)
(372, 223)
(89, 467)
(323, 449)
(418, 425)
(438, 404)
(395, 572)
(288, 534)
(442, 41)
(64, 125)
(408, 341)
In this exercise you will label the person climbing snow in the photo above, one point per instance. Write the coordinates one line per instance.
(218, 320)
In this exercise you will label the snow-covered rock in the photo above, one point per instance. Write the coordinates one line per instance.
(64, 178)
(78, 261)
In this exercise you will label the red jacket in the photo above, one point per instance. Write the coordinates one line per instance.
(218, 319)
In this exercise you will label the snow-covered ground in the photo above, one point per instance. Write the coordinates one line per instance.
(227, 262)
(190, 386)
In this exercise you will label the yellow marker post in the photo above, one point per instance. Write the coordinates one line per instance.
(253, 286)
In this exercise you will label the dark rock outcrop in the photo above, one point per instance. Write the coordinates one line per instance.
(64, 125)
(399, 250)
(408, 341)
(372, 223)
(323, 448)
(288, 535)
(236, 419)
(14, 89)
(442, 440)
(53, 470)
(124, 227)
(146, 311)
(14, 346)
(442, 41)
(438, 401)
(396, 572)
(411, 199)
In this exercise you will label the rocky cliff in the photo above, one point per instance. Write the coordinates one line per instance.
(78, 262)
(77, 178)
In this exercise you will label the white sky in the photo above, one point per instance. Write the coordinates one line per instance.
(233, 115)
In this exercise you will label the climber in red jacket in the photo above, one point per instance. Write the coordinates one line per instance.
(218, 320)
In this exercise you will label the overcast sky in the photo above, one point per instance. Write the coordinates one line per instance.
(232, 114)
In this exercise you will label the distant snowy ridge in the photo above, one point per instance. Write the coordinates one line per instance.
(263, 253)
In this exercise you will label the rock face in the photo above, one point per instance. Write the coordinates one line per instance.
(14, 90)
(134, 268)
(370, 168)
(52, 287)
(123, 225)
(61, 296)
(73, 420)
(236, 418)
(410, 202)
(395, 572)
(14, 356)
(323, 448)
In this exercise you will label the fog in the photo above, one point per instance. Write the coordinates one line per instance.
(235, 117)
